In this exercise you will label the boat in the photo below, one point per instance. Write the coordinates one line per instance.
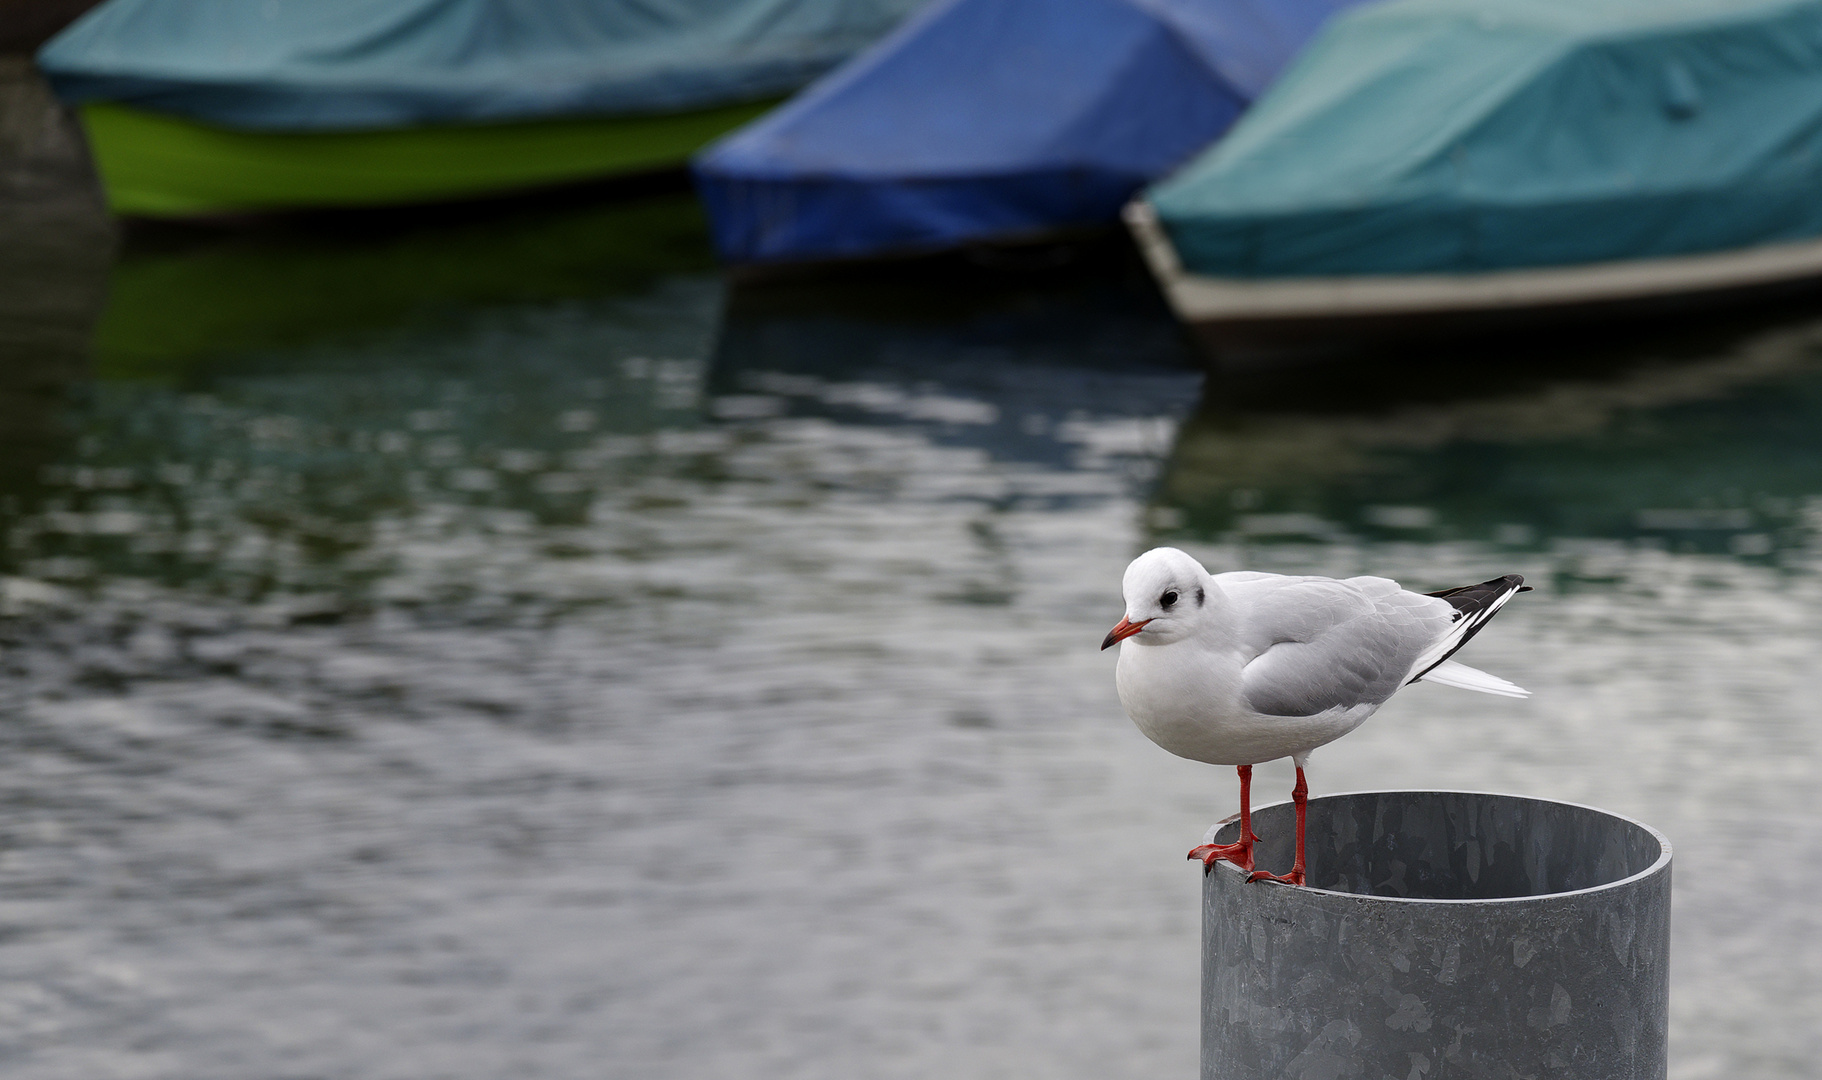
(1433, 168)
(984, 121)
(201, 107)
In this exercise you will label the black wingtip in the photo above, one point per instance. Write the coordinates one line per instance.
(1466, 597)
(1478, 603)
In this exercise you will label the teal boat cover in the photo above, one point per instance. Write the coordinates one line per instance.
(303, 65)
(1449, 136)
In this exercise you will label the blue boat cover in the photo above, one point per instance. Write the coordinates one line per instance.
(1422, 136)
(300, 65)
(991, 118)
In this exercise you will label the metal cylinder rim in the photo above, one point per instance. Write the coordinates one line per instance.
(1657, 865)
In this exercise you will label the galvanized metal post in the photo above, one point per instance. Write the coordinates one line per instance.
(1443, 935)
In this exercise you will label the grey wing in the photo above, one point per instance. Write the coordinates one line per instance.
(1320, 644)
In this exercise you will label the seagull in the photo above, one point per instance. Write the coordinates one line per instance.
(1247, 667)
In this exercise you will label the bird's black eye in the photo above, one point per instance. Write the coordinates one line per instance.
(1168, 598)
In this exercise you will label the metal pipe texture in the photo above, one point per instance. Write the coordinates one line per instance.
(1443, 935)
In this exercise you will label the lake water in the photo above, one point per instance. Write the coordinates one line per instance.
(489, 647)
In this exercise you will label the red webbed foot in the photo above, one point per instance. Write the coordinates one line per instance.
(1240, 855)
(1295, 877)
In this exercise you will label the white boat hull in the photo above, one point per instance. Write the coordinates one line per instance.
(1251, 317)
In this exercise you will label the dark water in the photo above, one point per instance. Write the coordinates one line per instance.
(486, 647)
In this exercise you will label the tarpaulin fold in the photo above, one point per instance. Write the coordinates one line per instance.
(313, 65)
(1451, 136)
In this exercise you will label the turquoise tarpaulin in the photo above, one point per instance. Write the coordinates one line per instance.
(302, 65)
(1420, 136)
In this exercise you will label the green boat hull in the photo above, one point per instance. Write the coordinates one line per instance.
(157, 165)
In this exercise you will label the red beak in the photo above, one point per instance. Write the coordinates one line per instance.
(1121, 632)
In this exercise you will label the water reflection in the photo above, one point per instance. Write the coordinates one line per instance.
(182, 295)
(312, 472)
(1047, 369)
(1717, 453)
(400, 678)
(452, 652)
(55, 247)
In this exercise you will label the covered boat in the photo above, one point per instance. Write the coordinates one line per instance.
(993, 119)
(1436, 165)
(200, 106)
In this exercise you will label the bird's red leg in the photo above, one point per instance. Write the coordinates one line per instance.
(1300, 796)
(1240, 853)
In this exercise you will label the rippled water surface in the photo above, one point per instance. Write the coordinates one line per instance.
(492, 649)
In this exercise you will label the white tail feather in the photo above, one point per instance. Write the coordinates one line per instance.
(1463, 677)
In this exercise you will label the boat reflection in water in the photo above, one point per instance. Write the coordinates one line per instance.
(1713, 452)
(1027, 368)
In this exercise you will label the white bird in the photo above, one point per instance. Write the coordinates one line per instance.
(1245, 667)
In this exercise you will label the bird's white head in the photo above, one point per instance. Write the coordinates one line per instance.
(1166, 593)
